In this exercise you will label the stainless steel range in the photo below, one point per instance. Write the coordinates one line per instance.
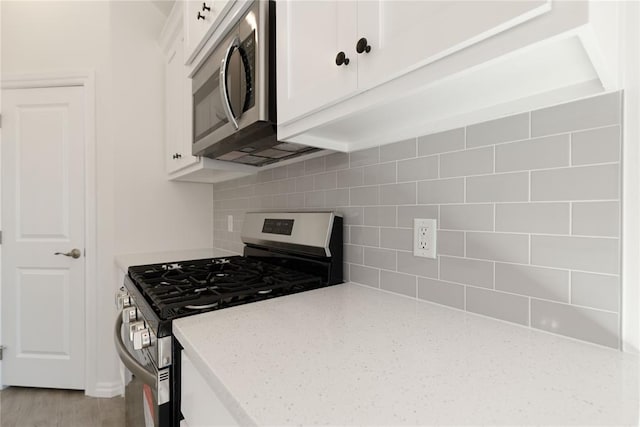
(284, 253)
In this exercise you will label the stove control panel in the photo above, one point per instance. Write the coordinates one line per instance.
(129, 314)
(141, 339)
(123, 300)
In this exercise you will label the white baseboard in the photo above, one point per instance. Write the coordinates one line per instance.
(107, 389)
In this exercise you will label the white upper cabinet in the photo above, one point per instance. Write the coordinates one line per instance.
(379, 40)
(417, 67)
(310, 37)
(200, 19)
(404, 35)
(177, 110)
(181, 164)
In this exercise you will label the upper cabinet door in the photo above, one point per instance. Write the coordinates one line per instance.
(310, 35)
(404, 35)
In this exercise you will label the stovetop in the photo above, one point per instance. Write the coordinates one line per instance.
(185, 288)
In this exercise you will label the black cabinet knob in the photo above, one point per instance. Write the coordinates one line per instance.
(205, 7)
(178, 156)
(200, 16)
(363, 46)
(341, 58)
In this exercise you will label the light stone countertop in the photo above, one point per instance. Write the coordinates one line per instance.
(349, 354)
(124, 261)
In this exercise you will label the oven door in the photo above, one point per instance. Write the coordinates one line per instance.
(147, 395)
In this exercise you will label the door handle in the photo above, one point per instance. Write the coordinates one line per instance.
(73, 253)
(226, 102)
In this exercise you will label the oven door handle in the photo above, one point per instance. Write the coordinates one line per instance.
(129, 361)
(226, 102)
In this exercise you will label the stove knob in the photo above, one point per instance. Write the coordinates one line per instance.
(135, 327)
(129, 314)
(123, 300)
(141, 339)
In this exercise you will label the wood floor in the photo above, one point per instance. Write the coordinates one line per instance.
(35, 407)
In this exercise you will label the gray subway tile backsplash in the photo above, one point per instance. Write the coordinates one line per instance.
(506, 187)
(380, 258)
(369, 156)
(577, 183)
(424, 267)
(477, 217)
(523, 220)
(384, 216)
(547, 283)
(596, 219)
(509, 307)
(406, 214)
(505, 129)
(398, 150)
(364, 196)
(404, 284)
(384, 173)
(543, 218)
(595, 290)
(599, 255)
(584, 114)
(450, 243)
(441, 191)
(583, 323)
(468, 271)
(441, 142)
(398, 194)
(498, 246)
(441, 292)
(468, 162)
(596, 146)
(538, 153)
(418, 169)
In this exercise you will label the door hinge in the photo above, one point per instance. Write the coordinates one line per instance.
(0, 237)
(1, 348)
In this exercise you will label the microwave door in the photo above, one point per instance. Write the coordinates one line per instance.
(208, 111)
(233, 78)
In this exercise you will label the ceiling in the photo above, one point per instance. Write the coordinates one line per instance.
(163, 6)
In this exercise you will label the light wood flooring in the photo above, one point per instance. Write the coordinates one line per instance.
(36, 407)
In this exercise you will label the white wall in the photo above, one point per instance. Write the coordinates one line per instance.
(630, 80)
(137, 208)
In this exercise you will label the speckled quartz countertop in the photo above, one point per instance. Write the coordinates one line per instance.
(349, 354)
(124, 261)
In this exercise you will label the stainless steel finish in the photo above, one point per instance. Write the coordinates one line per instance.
(165, 357)
(73, 253)
(310, 234)
(141, 339)
(135, 327)
(129, 361)
(255, 18)
(129, 314)
(164, 389)
(226, 102)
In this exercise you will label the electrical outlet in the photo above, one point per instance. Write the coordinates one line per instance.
(229, 223)
(424, 237)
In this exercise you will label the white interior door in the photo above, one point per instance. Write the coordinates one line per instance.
(43, 318)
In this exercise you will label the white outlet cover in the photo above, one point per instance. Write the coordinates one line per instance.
(230, 223)
(424, 237)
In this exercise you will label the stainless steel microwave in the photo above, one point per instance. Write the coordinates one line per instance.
(234, 95)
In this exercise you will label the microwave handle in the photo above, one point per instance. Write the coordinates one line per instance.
(226, 102)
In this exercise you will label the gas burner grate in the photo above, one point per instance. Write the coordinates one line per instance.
(180, 289)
